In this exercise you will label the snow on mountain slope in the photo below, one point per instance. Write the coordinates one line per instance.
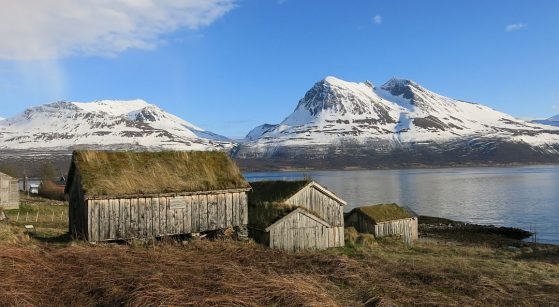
(552, 121)
(399, 113)
(104, 124)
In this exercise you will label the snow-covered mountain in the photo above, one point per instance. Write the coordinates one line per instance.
(552, 121)
(399, 122)
(104, 124)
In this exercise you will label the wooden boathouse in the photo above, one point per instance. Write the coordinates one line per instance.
(384, 220)
(9, 192)
(125, 195)
(295, 215)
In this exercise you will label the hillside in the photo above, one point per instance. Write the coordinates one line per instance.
(49, 269)
(340, 124)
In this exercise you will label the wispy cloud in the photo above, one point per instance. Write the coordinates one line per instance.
(377, 19)
(38, 29)
(515, 27)
(555, 107)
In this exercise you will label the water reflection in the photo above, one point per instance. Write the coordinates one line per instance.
(525, 197)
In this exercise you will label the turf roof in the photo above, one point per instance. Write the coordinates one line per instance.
(120, 173)
(275, 191)
(384, 212)
(266, 201)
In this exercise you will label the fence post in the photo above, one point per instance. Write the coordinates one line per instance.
(26, 215)
(37, 218)
(17, 218)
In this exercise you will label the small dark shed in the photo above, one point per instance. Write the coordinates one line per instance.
(9, 192)
(124, 195)
(383, 220)
(295, 215)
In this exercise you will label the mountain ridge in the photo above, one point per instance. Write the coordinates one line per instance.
(104, 123)
(337, 119)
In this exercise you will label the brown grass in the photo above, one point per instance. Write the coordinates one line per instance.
(228, 273)
(128, 173)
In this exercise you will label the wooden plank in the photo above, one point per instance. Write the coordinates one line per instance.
(203, 212)
(221, 218)
(95, 222)
(170, 218)
(195, 213)
(125, 215)
(235, 215)
(163, 216)
(228, 209)
(244, 205)
(155, 216)
(106, 234)
(142, 231)
(148, 216)
(187, 214)
(212, 212)
(134, 218)
(179, 217)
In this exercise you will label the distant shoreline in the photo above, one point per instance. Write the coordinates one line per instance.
(401, 167)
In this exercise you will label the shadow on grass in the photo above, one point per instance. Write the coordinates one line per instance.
(52, 239)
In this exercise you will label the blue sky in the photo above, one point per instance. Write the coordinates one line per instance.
(229, 65)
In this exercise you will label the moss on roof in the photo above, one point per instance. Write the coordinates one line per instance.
(266, 201)
(122, 173)
(274, 191)
(262, 215)
(384, 212)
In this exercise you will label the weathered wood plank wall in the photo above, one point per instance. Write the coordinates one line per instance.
(9, 192)
(404, 227)
(300, 232)
(322, 205)
(148, 217)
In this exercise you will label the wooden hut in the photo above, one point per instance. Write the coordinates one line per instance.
(124, 195)
(295, 215)
(9, 192)
(383, 220)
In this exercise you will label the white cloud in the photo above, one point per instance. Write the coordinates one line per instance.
(515, 27)
(39, 29)
(377, 19)
(555, 107)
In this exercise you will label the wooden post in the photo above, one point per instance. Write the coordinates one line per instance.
(61, 215)
(52, 219)
(17, 218)
(26, 215)
(37, 217)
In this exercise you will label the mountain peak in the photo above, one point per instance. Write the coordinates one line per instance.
(113, 107)
(398, 82)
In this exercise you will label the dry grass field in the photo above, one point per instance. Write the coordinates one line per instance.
(49, 269)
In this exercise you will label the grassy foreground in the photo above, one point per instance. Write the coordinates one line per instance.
(50, 269)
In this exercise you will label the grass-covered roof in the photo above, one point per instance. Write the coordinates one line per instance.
(266, 201)
(274, 191)
(384, 212)
(119, 173)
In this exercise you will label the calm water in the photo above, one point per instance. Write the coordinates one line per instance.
(524, 197)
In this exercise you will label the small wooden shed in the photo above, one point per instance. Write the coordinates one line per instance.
(124, 195)
(295, 215)
(9, 192)
(384, 220)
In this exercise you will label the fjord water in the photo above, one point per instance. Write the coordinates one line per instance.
(526, 197)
